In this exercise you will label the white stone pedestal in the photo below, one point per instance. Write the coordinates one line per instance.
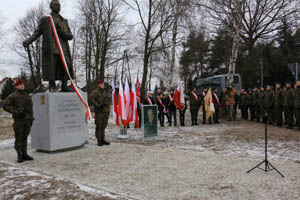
(60, 122)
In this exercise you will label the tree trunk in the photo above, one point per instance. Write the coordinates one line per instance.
(236, 41)
(174, 42)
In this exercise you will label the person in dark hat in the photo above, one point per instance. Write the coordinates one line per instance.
(171, 107)
(195, 103)
(101, 100)
(243, 104)
(269, 102)
(261, 102)
(278, 104)
(252, 103)
(52, 65)
(288, 103)
(20, 105)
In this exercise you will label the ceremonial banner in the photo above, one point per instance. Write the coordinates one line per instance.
(209, 105)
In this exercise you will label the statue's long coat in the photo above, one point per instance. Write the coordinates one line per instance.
(50, 49)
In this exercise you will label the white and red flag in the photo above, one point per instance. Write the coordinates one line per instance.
(128, 102)
(134, 106)
(179, 97)
(138, 93)
(122, 105)
(114, 106)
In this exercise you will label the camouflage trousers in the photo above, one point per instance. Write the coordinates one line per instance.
(289, 116)
(22, 130)
(297, 115)
(278, 114)
(101, 121)
(270, 112)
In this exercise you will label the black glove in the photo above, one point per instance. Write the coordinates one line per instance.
(15, 114)
(21, 115)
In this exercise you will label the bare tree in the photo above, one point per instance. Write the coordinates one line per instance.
(2, 30)
(98, 35)
(251, 20)
(155, 18)
(24, 28)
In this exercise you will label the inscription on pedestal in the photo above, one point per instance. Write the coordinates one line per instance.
(60, 121)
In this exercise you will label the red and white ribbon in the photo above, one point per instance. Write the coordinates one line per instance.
(149, 101)
(195, 96)
(216, 98)
(63, 59)
(162, 105)
(170, 98)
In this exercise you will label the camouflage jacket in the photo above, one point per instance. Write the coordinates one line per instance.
(261, 98)
(101, 100)
(297, 98)
(252, 98)
(288, 98)
(278, 97)
(243, 100)
(269, 99)
(19, 103)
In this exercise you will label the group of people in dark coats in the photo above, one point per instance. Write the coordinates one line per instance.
(167, 108)
(277, 106)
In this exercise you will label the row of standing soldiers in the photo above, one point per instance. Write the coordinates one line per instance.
(166, 106)
(277, 104)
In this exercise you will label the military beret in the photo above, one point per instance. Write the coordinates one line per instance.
(100, 81)
(18, 82)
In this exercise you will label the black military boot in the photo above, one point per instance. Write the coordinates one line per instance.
(26, 156)
(20, 157)
(105, 142)
(99, 143)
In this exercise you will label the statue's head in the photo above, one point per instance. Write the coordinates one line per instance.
(55, 6)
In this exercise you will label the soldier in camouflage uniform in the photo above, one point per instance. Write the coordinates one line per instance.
(278, 107)
(195, 103)
(269, 102)
(260, 103)
(100, 99)
(288, 100)
(20, 105)
(297, 103)
(252, 103)
(243, 104)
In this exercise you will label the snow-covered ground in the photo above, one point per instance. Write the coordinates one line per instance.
(20, 183)
(191, 162)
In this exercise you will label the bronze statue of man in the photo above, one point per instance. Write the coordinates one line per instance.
(52, 66)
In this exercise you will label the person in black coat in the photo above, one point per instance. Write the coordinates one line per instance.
(171, 108)
(161, 105)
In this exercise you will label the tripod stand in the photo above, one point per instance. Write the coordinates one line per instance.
(268, 165)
